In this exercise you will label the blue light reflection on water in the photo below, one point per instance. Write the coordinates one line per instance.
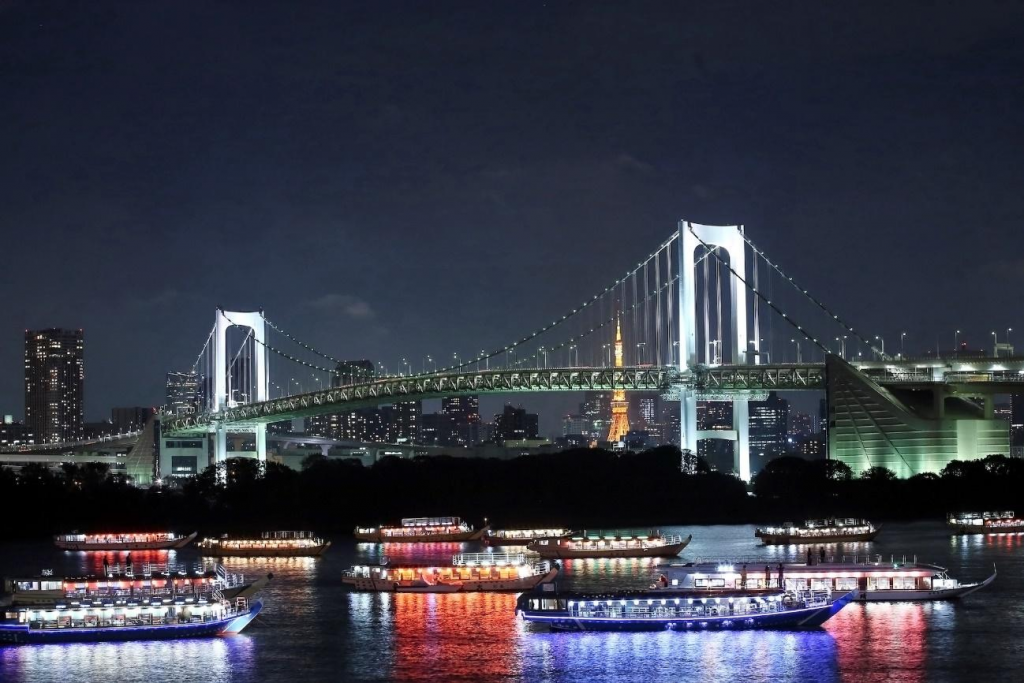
(315, 629)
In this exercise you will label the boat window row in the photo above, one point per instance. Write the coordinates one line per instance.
(119, 616)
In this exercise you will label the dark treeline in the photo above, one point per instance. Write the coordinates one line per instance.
(580, 489)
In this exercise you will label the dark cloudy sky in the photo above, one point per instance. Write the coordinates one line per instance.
(391, 179)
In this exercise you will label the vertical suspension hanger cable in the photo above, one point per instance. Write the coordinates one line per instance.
(757, 301)
(671, 327)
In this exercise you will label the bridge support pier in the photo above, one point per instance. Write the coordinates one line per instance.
(261, 443)
(220, 445)
(741, 452)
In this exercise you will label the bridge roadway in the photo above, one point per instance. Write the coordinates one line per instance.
(969, 377)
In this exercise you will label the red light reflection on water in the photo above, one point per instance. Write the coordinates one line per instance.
(465, 635)
(883, 637)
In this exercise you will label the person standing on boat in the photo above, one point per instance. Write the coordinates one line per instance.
(821, 555)
(743, 577)
(767, 576)
(782, 584)
(106, 566)
(128, 563)
(810, 557)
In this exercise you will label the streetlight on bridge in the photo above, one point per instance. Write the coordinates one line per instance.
(903, 336)
(1008, 331)
(956, 342)
(298, 384)
(799, 356)
(641, 348)
(880, 339)
(995, 345)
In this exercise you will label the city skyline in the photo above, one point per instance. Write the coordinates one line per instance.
(280, 180)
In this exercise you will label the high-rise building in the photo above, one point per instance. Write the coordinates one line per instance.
(574, 425)
(462, 408)
(769, 420)
(462, 424)
(620, 406)
(129, 419)
(403, 421)
(183, 393)
(596, 409)
(515, 424)
(362, 424)
(54, 384)
(1017, 425)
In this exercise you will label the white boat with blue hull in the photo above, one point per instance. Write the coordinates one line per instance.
(679, 611)
(157, 621)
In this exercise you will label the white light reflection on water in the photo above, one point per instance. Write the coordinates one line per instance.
(170, 660)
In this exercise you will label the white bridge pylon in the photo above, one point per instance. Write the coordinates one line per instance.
(221, 399)
(727, 238)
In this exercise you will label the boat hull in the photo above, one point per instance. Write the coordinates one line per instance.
(126, 546)
(218, 551)
(21, 634)
(967, 530)
(469, 586)
(557, 552)
(805, 618)
(461, 537)
(790, 539)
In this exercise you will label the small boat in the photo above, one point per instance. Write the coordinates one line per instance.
(667, 610)
(832, 530)
(874, 579)
(469, 572)
(578, 547)
(269, 544)
(422, 530)
(985, 522)
(128, 620)
(125, 541)
(522, 536)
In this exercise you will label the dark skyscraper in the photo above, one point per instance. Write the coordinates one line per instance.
(183, 393)
(54, 384)
(1017, 425)
(515, 424)
(769, 420)
(129, 419)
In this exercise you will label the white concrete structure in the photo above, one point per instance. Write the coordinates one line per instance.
(728, 239)
(261, 391)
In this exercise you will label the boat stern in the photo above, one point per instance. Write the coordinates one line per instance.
(236, 625)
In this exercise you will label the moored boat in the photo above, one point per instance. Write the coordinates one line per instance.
(522, 536)
(832, 530)
(580, 547)
(422, 530)
(125, 583)
(985, 522)
(268, 544)
(69, 622)
(665, 610)
(469, 572)
(123, 541)
(874, 579)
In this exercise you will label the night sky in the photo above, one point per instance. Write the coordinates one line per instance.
(394, 179)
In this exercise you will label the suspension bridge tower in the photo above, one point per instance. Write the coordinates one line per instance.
(224, 395)
(620, 406)
(730, 240)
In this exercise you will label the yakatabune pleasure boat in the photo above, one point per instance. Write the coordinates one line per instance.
(422, 530)
(123, 541)
(469, 572)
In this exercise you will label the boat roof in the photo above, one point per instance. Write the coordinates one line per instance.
(431, 521)
(653, 595)
(795, 569)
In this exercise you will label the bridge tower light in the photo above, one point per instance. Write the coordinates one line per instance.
(903, 335)
(995, 345)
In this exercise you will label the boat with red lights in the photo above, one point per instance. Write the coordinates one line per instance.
(831, 530)
(268, 544)
(581, 547)
(468, 572)
(144, 602)
(679, 611)
(985, 522)
(123, 541)
(873, 577)
(422, 530)
(523, 536)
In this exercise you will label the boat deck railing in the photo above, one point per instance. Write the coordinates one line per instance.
(755, 561)
(489, 559)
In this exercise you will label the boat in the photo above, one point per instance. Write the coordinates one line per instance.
(985, 522)
(123, 541)
(126, 620)
(578, 547)
(422, 530)
(831, 530)
(667, 610)
(126, 582)
(874, 578)
(268, 544)
(522, 536)
(468, 573)
(157, 602)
